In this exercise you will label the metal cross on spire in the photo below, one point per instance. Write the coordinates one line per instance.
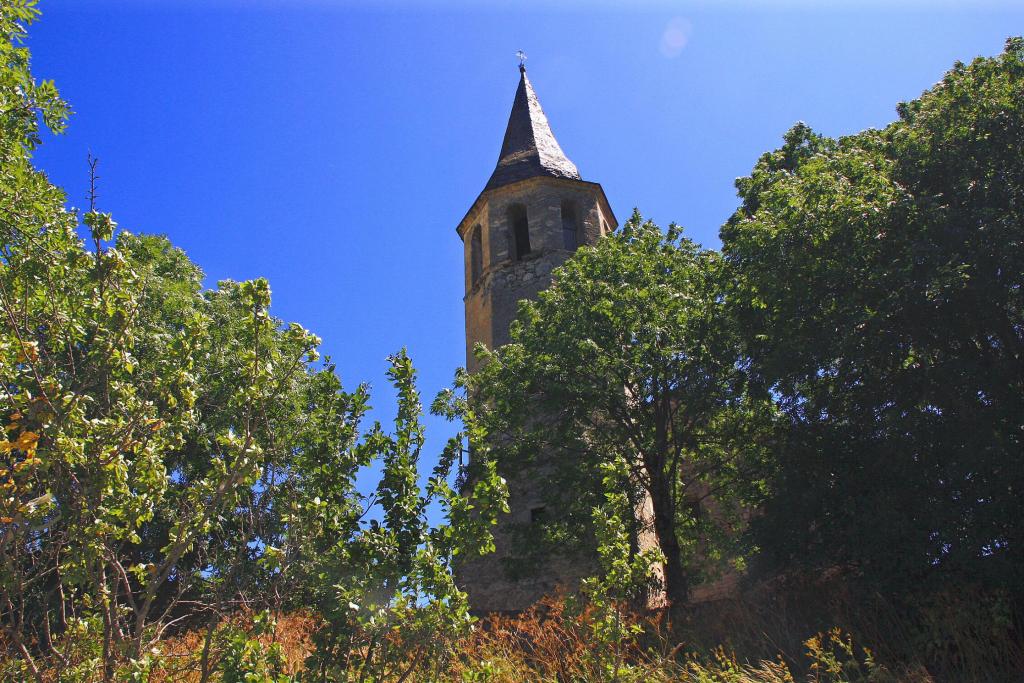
(522, 59)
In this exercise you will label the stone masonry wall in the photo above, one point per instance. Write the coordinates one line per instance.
(491, 305)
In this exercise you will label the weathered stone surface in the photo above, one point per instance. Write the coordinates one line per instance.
(533, 179)
(491, 303)
(504, 281)
(486, 579)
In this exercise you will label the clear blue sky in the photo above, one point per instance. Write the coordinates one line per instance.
(332, 147)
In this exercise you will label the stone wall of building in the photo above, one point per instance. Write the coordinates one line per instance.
(491, 304)
(487, 580)
(491, 301)
(534, 194)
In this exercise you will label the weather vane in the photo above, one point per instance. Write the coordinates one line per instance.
(522, 58)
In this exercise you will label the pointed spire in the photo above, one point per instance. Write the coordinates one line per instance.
(529, 148)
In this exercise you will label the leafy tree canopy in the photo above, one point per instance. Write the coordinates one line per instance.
(171, 455)
(629, 357)
(878, 291)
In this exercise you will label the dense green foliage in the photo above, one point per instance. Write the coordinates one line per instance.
(878, 288)
(838, 394)
(846, 376)
(871, 291)
(173, 455)
(630, 360)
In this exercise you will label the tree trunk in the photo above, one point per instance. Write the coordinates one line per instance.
(677, 584)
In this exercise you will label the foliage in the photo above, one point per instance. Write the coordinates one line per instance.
(141, 414)
(553, 643)
(779, 635)
(247, 660)
(877, 285)
(178, 468)
(385, 588)
(626, 578)
(774, 634)
(25, 102)
(629, 357)
(171, 455)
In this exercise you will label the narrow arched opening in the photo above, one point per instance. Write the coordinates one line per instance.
(570, 226)
(519, 231)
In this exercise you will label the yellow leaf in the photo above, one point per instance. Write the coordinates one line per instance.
(28, 352)
(27, 462)
(27, 441)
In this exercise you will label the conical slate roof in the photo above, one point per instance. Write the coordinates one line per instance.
(529, 148)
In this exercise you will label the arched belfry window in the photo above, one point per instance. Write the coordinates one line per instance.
(570, 226)
(476, 256)
(519, 232)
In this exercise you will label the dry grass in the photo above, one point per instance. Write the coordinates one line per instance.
(183, 654)
(767, 636)
(819, 631)
(958, 635)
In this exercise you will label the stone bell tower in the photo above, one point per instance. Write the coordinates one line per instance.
(533, 213)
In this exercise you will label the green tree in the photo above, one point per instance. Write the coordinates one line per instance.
(878, 288)
(629, 357)
(374, 569)
(171, 454)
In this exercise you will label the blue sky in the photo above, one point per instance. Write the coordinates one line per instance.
(332, 147)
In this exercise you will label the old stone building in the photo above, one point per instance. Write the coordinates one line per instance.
(533, 213)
